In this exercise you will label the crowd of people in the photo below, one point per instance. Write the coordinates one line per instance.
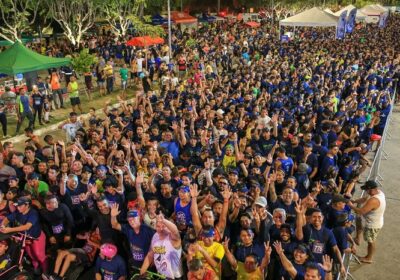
(239, 157)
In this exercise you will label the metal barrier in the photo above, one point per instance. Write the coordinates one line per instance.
(374, 174)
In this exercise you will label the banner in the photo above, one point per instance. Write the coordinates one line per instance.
(382, 19)
(341, 28)
(351, 21)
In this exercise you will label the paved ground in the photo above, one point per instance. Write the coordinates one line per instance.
(387, 261)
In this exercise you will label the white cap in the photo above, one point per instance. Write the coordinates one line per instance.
(220, 112)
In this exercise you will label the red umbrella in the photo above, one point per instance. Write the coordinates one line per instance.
(145, 41)
(253, 24)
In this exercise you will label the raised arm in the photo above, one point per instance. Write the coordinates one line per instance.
(287, 265)
(226, 194)
(194, 210)
(114, 213)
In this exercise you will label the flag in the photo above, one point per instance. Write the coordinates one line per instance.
(341, 27)
(351, 21)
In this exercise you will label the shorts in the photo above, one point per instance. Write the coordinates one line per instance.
(101, 84)
(75, 101)
(133, 75)
(81, 256)
(124, 84)
(370, 234)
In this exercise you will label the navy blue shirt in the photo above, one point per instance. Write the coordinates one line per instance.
(340, 234)
(31, 217)
(111, 269)
(320, 241)
(139, 243)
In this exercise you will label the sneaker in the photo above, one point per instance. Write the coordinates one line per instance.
(46, 276)
(55, 277)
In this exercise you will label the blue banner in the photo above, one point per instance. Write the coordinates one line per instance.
(383, 19)
(351, 21)
(341, 28)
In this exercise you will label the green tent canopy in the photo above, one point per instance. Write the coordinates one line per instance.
(19, 59)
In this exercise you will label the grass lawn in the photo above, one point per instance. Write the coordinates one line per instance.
(59, 115)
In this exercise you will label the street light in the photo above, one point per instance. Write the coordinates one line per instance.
(169, 30)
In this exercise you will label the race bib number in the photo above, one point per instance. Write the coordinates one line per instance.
(318, 247)
(137, 253)
(58, 229)
(37, 101)
(108, 277)
(87, 248)
(75, 199)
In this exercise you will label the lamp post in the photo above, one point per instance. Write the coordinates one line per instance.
(169, 30)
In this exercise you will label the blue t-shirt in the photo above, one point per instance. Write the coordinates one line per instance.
(171, 147)
(139, 243)
(111, 269)
(320, 241)
(286, 165)
(32, 217)
(340, 234)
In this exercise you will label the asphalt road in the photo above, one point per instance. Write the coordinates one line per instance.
(387, 259)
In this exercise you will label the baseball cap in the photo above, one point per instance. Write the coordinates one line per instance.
(11, 178)
(369, 185)
(234, 171)
(208, 232)
(33, 176)
(303, 248)
(243, 189)
(101, 167)
(22, 200)
(336, 198)
(132, 214)
(261, 201)
(184, 188)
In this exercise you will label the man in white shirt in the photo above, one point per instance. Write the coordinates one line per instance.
(372, 212)
(71, 126)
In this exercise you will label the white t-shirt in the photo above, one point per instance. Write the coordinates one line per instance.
(264, 122)
(139, 62)
(71, 129)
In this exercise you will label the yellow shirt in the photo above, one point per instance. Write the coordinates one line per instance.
(243, 275)
(216, 250)
(228, 162)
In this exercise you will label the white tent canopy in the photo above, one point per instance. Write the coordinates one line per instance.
(312, 17)
(380, 7)
(359, 15)
(329, 11)
(373, 10)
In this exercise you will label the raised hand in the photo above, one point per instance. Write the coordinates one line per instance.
(140, 178)
(174, 126)
(327, 263)
(225, 243)
(114, 210)
(226, 193)
(278, 247)
(194, 193)
(267, 249)
(255, 214)
(299, 208)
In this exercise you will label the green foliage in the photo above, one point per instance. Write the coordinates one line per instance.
(17, 16)
(83, 61)
(191, 43)
(143, 28)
